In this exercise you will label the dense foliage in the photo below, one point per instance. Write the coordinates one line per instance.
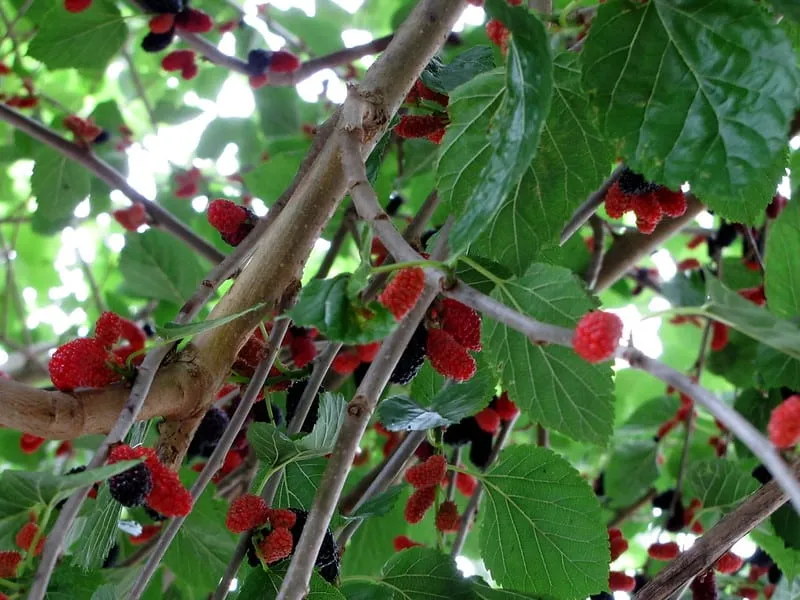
(582, 356)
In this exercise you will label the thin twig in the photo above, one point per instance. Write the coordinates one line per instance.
(748, 234)
(474, 502)
(217, 458)
(336, 245)
(589, 206)
(598, 252)
(140, 89)
(708, 548)
(103, 171)
(455, 460)
(624, 514)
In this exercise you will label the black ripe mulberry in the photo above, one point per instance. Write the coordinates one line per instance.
(327, 562)
(761, 559)
(601, 596)
(131, 487)
(258, 61)
(164, 6)
(293, 395)
(774, 575)
(412, 358)
(480, 450)
(211, 428)
(156, 42)
(677, 519)
(704, 586)
(633, 184)
(664, 499)
(762, 474)
(461, 433)
(261, 414)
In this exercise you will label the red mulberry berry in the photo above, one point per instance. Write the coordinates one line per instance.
(620, 582)
(303, 351)
(488, 420)
(25, 536)
(277, 545)
(81, 363)
(148, 533)
(403, 542)
(403, 291)
(133, 217)
(497, 33)
(419, 503)
(463, 323)
(281, 517)
(748, 592)
(729, 563)
(346, 362)
(754, 295)
(419, 126)
(505, 407)
(162, 23)
(466, 484)
(177, 60)
(673, 204)
(108, 329)
(367, 352)
(688, 264)
(429, 473)
(436, 137)
(769, 590)
(76, 6)
(449, 357)
(9, 562)
(617, 202)
(597, 336)
(447, 519)
(168, 495)
(618, 547)
(648, 212)
(784, 423)
(194, 21)
(30, 443)
(776, 206)
(424, 92)
(284, 62)
(666, 551)
(719, 336)
(704, 586)
(225, 216)
(246, 512)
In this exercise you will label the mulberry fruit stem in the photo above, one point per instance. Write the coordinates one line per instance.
(411, 263)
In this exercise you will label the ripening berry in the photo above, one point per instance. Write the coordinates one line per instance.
(233, 461)
(194, 21)
(620, 582)
(419, 126)
(776, 206)
(505, 407)
(463, 323)
(784, 423)
(449, 357)
(673, 204)
(688, 264)
(346, 362)
(282, 517)
(428, 473)
(755, 295)
(403, 542)
(618, 547)
(177, 60)
(617, 202)
(148, 533)
(277, 545)
(25, 536)
(76, 6)
(419, 503)
(258, 61)
(497, 33)
(168, 496)
(162, 23)
(719, 336)
(132, 486)
(466, 484)
(748, 592)
(82, 363)
(131, 218)
(648, 212)
(9, 562)
(447, 519)
(284, 62)
(30, 443)
(597, 336)
(488, 420)
(226, 216)
(403, 291)
(108, 328)
(424, 92)
(729, 563)
(246, 512)
(303, 350)
(665, 551)
(258, 81)
(367, 352)
(704, 586)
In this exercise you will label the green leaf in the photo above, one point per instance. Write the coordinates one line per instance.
(782, 277)
(444, 78)
(479, 281)
(756, 408)
(552, 385)
(719, 483)
(483, 591)
(331, 415)
(695, 90)
(541, 530)
(300, 483)
(631, 471)
(269, 180)
(99, 533)
(70, 583)
(786, 522)
(156, 265)
(516, 126)
(378, 505)
(787, 559)
(85, 40)
(571, 162)
(221, 132)
(754, 321)
(264, 584)
(411, 574)
(788, 8)
(277, 109)
(326, 305)
(787, 589)
(59, 184)
(173, 331)
(200, 552)
(778, 370)
(647, 418)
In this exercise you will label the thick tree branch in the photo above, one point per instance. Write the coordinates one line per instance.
(102, 170)
(717, 541)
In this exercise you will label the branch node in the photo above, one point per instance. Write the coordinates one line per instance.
(358, 406)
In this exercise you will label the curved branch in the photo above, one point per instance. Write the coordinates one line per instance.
(102, 170)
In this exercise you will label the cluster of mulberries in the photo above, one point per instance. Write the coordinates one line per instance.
(454, 329)
(232, 221)
(187, 183)
(617, 543)
(684, 412)
(151, 483)
(425, 478)
(97, 361)
(677, 515)
(131, 218)
(478, 431)
(430, 126)
(649, 201)
(170, 16)
(29, 535)
(85, 131)
(183, 61)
